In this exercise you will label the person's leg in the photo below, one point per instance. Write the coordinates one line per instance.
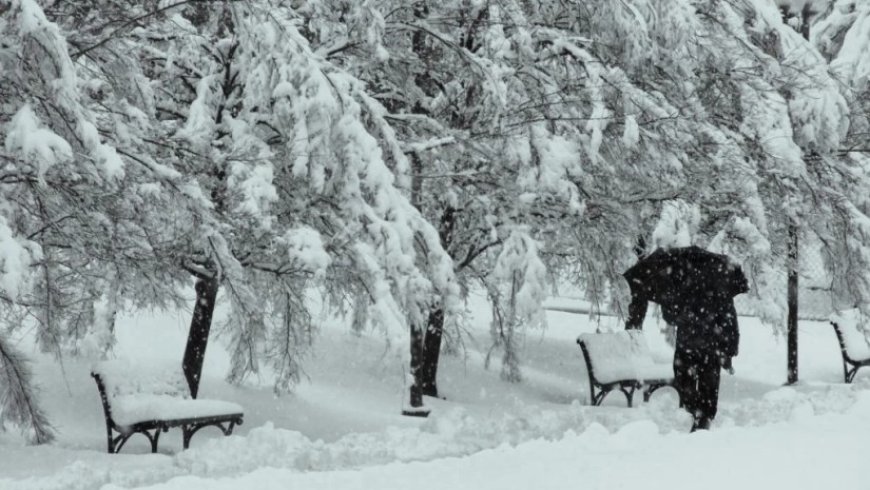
(685, 380)
(709, 372)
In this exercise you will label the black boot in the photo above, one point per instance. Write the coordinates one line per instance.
(701, 423)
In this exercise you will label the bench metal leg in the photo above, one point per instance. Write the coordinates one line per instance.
(120, 441)
(153, 439)
(116, 443)
(187, 431)
(603, 391)
(597, 398)
(110, 440)
(651, 388)
(186, 434)
(628, 391)
(850, 372)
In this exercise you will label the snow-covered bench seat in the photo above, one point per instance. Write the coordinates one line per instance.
(854, 345)
(150, 402)
(623, 361)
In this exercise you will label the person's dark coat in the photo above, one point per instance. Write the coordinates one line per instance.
(711, 327)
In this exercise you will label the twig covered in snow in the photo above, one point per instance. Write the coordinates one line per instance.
(18, 400)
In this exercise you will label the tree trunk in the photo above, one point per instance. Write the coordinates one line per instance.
(793, 237)
(197, 337)
(435, 323)
(792, 305)
(416, 408)
(432, 353)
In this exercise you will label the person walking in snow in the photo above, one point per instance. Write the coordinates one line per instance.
(695, 289)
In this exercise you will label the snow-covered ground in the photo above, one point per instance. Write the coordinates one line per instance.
(342, 426)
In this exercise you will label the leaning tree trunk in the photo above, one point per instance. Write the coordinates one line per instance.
(197, 337)
(431, 353)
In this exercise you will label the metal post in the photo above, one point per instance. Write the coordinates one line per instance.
(792, 326)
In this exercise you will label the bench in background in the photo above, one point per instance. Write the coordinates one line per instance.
(854, 345)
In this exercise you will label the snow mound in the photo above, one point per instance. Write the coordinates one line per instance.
(450, 434)
(90, 475)
(789, 404)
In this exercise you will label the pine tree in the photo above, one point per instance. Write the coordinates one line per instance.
(288, 171)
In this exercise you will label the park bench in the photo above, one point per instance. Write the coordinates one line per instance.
(854, 345)
(623, 361)
(136, 401)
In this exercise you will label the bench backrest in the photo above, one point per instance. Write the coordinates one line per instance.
(854, 340)
(120, 378)
(617, 356)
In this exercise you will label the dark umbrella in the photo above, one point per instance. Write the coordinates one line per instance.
(695, 289)
(685, 275)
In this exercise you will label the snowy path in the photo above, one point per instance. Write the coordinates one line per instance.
(806, 452)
